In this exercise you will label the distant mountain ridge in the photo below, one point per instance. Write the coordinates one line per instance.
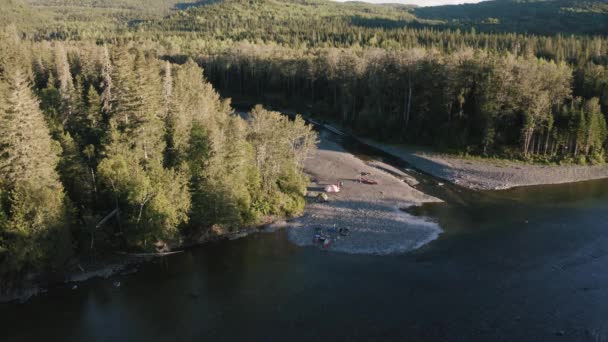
(527, 16)
(254, 19)
(244, 19)
(545, 17)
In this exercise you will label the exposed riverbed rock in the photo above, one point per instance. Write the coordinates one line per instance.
(370, 212)
(484, 175)
(409, 180)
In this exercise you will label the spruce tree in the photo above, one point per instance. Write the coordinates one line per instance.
(106, 82)
(67, 90)
(35, 215)
(153, 201)
(123, 100)
(148, 125)
(213, 144)
(93, 118)
(280, 149)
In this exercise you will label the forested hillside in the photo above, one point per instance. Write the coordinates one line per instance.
(112, 136)
(18, 13)
(136, 9)
(287, 22)
(526, 16)
(524, 96)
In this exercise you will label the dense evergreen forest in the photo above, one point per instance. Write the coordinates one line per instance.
(112, 136)
(516, 95)
(110, 148)
(530, 16)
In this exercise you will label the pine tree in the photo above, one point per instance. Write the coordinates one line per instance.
(77, 124)
(596, 129)
(28, 151)
(67, 90)
(148, 125)
(93, 117)
(74, 172)
(106, 83)
(153, 201)
(280, 149)
(51, 105)
(124, 98)
(194, 101)
(35, 215)
(581, 129)
(167, 89)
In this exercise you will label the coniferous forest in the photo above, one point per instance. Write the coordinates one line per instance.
(109, 148)
(114, 136)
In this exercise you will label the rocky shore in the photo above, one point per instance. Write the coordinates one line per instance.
(371, 213)
(484, 175)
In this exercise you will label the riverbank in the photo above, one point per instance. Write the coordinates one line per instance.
(483, 175)
(476, 174)
(372, 213)
(119, 263)
(480, 174)
(81, 270)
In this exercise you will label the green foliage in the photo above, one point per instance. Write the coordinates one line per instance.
(34, 234)
(466, 100)
(35, 215)
(151, 141)
(16, 12)
(280, 149)
(530, 16)
(289, 199)
(286, 22)
(75, 174)
(221, 172)
(153, 201)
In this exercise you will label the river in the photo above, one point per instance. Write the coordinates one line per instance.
(526, 264)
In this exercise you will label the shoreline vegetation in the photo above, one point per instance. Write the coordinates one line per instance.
(373, 214)
(475, 173)
(119, 263)
(109, 149)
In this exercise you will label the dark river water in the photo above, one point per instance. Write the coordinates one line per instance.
(528, 264)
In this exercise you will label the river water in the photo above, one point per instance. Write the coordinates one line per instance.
(527, 264)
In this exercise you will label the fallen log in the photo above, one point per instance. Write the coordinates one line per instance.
(149, 254)
(107, 218)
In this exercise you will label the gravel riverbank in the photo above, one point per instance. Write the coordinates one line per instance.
(370, 212)
(480, 174)
(483, 175)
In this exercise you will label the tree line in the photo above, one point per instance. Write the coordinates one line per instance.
(465, 101)
(214, 26)
(111, 148)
